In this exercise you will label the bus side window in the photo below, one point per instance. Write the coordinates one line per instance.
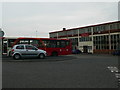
(58, 44)
(52, 44)
(23, 42)
(40, 45)
(67, 43)
(34, 43)
(47, 43)
(63, 44)
(10, 42)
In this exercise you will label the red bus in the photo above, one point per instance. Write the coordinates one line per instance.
(52, 46)
(7, 43)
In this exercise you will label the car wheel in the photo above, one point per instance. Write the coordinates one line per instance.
(16, 56)
(41, 56)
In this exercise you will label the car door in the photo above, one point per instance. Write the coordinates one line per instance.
(31, 51)
(20, 49)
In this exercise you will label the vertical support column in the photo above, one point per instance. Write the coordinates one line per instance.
(78, 39)
(92, 39)
(57, 35)
(66, 34)
(109, 40)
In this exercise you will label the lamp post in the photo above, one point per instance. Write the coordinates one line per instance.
(36, 33)
(1, 35)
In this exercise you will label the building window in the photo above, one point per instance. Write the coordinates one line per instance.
(75, 32)
(89, 30)
(74, 41)
(114, 26)
(63, 33)
(53, 35)
(101, 42)
(103, 28)
(69, 32)
(84, 39)
(118, 25)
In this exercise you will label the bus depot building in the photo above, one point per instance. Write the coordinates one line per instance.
(101, 38)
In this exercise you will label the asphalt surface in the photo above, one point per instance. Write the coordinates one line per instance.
(70, 71)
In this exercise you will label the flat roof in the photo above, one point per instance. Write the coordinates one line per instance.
(32, 38)
(41, 38)
(84, 27)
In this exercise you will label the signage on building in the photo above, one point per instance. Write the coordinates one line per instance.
(85, 35)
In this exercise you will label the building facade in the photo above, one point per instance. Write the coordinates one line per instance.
(100, 38)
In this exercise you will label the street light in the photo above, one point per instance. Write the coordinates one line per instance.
(1, 35)
(36, 33)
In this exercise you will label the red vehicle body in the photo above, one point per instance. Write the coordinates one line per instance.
(52, 46)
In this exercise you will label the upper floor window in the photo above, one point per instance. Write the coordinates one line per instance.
(82, 39)
(63, 33)
(52, 35)
(70, 32)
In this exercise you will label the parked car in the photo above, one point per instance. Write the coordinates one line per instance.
(22, 50)
(76, 51)
(117, 52)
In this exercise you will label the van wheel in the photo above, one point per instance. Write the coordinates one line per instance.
(41, 56)
(54, 54)
(16, 56)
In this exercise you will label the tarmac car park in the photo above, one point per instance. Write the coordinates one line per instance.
(66, 71)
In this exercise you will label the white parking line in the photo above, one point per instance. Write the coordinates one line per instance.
(116, 71)
(113, 69)
(117, 75)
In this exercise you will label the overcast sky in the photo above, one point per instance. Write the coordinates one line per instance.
(25, 18)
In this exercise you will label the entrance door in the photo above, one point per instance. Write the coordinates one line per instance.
(85, 49)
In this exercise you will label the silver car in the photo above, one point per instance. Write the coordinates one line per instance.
(22, 50)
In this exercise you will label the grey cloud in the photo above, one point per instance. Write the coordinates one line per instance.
(22, 18)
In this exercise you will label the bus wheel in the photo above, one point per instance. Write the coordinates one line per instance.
(16, 57)
(54, 54)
